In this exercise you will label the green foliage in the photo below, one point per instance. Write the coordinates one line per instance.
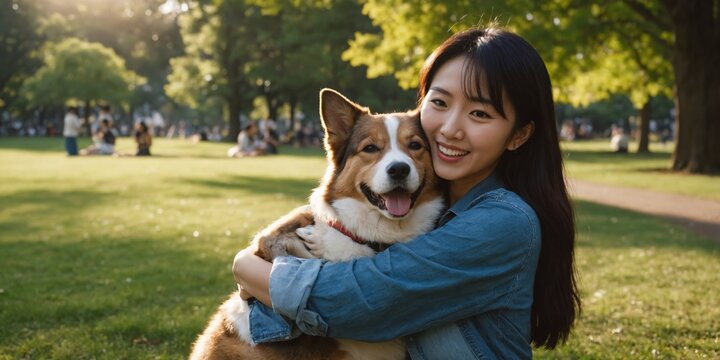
(592, 51)
(282, 51)
(18, 39)
(191, 82)
(136, 30)
(410, 31)
(595, 51)
(77, 70)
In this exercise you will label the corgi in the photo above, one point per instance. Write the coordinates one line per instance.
(379, 188)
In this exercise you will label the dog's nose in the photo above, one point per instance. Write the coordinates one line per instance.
(398, 170)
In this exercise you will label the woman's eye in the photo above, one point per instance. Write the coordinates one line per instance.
(438, 102)
(370, 148)
(415, 145)
(481, 114)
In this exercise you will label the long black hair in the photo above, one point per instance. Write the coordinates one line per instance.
(513, 71)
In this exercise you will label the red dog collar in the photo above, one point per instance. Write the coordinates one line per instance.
(338, 226)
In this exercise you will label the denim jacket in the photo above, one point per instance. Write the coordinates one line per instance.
(461, 291)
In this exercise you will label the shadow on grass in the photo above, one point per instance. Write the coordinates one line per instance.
(129, 292)
(295, 188)
(39, 144)
(289, 150)
(609, 227)
(43, 202)
(140, 292)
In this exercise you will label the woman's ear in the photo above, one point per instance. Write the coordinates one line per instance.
(521, 136)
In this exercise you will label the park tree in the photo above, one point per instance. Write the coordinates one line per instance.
(696, 60)
(683, 34)
(18, 40)
(215, 62)
(76, 70)
(302, 53)
(284, 51)
(594, 63)
(142, 32)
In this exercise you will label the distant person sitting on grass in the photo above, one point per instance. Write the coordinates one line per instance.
(71, 130)
(619, 141)
(104, 141)
(143, 139)
(248, 143)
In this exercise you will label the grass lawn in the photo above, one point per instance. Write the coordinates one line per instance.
(592, 160)
(126, 258)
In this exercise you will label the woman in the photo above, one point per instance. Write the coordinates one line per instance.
(497, 273)
(143, 139)
(247, 145)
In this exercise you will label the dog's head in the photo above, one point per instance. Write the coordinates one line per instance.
(379, 160)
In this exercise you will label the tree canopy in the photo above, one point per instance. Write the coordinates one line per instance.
(81, 71)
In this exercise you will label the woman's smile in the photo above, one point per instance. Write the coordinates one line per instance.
(450, 153)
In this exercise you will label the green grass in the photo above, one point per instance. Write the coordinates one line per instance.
(592, 160)
(126, 258)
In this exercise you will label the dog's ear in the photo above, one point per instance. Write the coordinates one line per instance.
(338, 115)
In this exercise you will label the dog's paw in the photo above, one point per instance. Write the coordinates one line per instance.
(313, 239)
(328, 243)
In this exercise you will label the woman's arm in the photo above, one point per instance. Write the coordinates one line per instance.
(252, 273)
(470, 265)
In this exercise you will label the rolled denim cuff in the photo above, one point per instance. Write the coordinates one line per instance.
(267, 326)
(291, 280)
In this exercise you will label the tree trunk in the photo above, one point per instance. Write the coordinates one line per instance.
(234, 121)
(272, 105)
(643, 134)
(696, 60)
(86, 118)
(235, 99)
(293, 105)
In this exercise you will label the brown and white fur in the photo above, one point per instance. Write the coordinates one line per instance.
(380, 185)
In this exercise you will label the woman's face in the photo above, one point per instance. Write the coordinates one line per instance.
(467, 136)
(252, 130)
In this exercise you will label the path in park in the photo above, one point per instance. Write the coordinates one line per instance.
(699, 215)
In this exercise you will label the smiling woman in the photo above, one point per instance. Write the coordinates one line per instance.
(467, 134)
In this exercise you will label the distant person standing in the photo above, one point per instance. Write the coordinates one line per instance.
(143, 139)
(71, 129)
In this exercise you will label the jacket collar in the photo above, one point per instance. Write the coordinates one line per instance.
(490, 183)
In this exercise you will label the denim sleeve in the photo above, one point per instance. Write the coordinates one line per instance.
(470, 265)
(266, 325)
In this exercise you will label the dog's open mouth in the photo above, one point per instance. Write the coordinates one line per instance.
(397, 202)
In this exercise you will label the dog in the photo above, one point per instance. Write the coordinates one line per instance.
(379, 189)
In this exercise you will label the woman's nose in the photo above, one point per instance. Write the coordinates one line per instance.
(451, 128)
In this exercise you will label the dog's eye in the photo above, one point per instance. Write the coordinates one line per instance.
(370, 149)
(415, 145)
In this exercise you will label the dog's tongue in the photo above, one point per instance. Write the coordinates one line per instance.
(397, 203)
